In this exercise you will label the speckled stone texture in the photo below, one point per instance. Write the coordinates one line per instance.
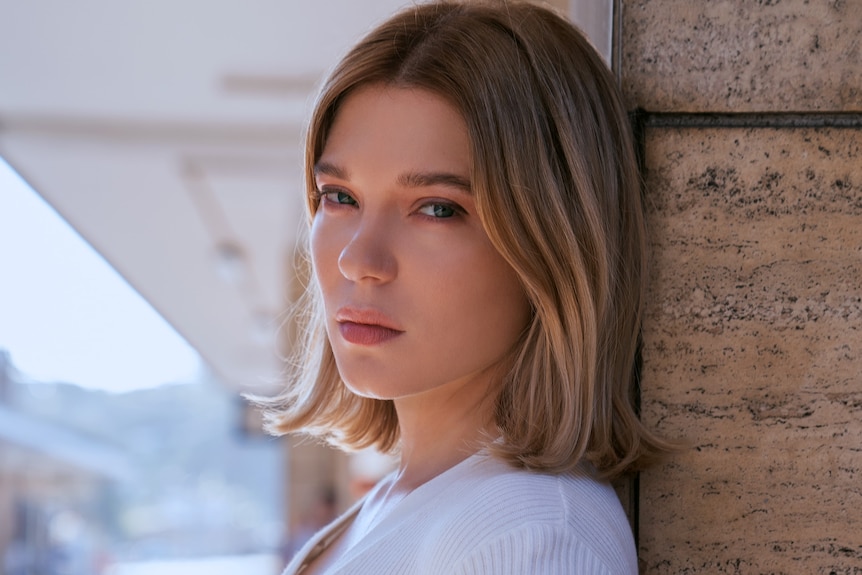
(742, 55)
(753, 351)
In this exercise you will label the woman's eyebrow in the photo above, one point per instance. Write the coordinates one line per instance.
(427, 179)
(328, 169)
(407, 179)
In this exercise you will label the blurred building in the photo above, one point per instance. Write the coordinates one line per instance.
(52, 484)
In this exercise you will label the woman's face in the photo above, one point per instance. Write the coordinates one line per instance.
(417, 300)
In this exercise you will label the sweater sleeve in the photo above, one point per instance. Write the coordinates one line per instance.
(540, 550)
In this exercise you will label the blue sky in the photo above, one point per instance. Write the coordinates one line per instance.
(67, 315)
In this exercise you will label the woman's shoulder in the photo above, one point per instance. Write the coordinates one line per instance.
(495, 509)
(488, 487)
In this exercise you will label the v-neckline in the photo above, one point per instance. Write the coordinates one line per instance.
(318, 545)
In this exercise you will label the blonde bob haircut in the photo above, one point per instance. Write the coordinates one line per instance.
(557, 189)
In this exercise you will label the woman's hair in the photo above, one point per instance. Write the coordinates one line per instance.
(557, 189)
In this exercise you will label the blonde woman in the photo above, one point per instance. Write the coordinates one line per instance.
(477, 250)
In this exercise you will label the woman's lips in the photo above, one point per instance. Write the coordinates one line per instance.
(366, 334)
(365, 325)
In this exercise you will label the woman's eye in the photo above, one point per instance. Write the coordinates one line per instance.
(439, 210)
(337, 197)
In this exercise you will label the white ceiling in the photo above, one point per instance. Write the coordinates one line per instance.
(168, 134)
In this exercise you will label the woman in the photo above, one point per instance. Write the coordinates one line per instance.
(477, 249)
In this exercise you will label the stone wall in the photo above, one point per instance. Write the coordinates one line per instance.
(742, 55)
(752, 142)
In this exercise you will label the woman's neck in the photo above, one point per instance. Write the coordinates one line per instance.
(441, 428)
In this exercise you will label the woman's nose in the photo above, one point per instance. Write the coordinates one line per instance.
(368, 255)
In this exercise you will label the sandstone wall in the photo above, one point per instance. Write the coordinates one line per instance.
(752, 142)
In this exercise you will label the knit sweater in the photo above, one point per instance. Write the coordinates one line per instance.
(483, 517)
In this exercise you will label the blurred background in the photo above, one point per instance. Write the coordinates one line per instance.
(150, 209)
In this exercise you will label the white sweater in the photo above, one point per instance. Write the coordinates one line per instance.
(483, 517)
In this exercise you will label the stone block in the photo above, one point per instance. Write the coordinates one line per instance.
(753, 351)
(742, 55)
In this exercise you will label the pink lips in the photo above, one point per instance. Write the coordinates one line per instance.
(365, 327)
